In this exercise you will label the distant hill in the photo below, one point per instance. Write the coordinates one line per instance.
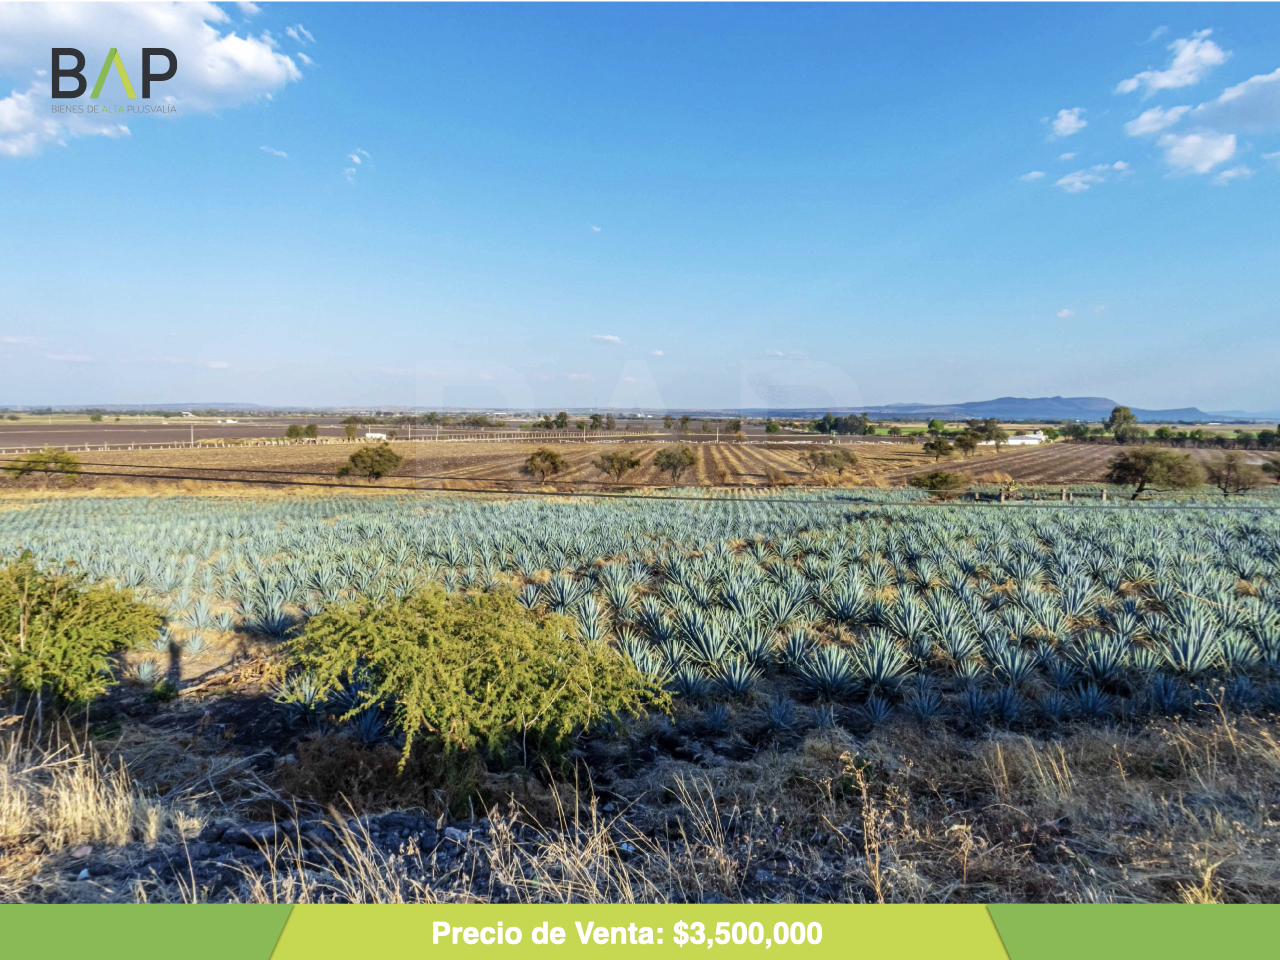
(1032, 408)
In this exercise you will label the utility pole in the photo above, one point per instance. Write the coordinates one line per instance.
(193, 434)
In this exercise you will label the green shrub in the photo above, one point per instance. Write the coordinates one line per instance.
(472, 672)
(58, 633)
(372, 462)
(940, 483)
(47, 463)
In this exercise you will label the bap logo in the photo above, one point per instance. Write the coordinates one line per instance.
(61, 72)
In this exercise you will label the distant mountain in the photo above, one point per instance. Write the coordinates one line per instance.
(1037, 408)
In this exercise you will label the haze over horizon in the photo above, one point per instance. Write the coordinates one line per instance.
(700, 207)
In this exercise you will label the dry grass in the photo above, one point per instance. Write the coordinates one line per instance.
(1165, 813)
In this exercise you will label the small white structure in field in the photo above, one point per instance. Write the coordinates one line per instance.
(1022, 439)
(375, 436)
(187, 413)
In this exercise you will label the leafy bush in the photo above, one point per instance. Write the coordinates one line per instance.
(675, 460)
(616, 465)
(940, 483)
(48, 463)
(57, 633)
(1154, 467)
(472, 672)
(542, 463)
(372, 462)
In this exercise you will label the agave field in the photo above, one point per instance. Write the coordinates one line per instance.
(827, 608)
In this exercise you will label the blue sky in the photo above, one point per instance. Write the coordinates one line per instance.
(584, 205)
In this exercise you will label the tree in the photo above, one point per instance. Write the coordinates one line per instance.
(294, 432)
(733, 426)
(675, 460)
(95, 417)
(1231, 473)
(562, 420)
(1051, 434)
(829, 460)
(1121, 424)
(349, 429)
(597, 421)
(542, 463)
(815, 460)
(472, 674)
(771, 426)
(940, 447)
(48, 462)
(1076, 431)
(894, 431)
(994, 433)
(684, 423)
(940, 483)
(616, 465)
(611, 422)
(58, 632)
(1146, 467)
(842, 460)
(373, 462)
(936, 426)
(1163, 433)
(311, 431)
(966, 442)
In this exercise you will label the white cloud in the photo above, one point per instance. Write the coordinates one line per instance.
(1197, 152)
(216, 364)
(249, 9)
(1066, 156)
(1252, 106)
(305, 59)
(1193, 58)
(1068, 122)
(1157, 33)
(20, 341)
(774, 353)
(657, 353)
(630, 379)
(1272, 156)
(606, 338)
(357, 158)
(1240, 172)
(217, 68)
(1064, 313)
(1032, 175)
(1079, 181)
(300, 33)
(1154, 120)
(1100, 308)
(69, 357)
(273, 151)
(582, 377)
(595, 229)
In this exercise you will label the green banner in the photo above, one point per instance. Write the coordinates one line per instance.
(142, 931)
(956, 932)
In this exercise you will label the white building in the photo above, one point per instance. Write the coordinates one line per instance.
(375, 436)
(1021, 440)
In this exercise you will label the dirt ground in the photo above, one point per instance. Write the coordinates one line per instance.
(479, 465)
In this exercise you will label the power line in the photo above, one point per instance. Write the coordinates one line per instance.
(847, 504)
